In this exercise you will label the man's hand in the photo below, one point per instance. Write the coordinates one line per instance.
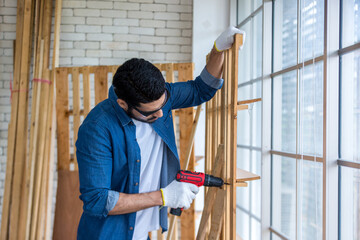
(179, 194)
(216, 57)
(226, 39)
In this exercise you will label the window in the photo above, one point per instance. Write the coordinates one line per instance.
(349, 121)
(309, 144)
(248, 199)
(297, 119)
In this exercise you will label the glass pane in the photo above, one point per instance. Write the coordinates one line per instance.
(255, 186)
(350, 106)
(284, 112)
(257, 46)
(255, 229)
(257, 93)
(311, 110)
(255, 109)
(350, 22)
(243, 193)
(275, 237)
(311, 200)
(312, 29)
(243, 10)
(242, 224)
(244, 62)
(250, 119)
(244, 92)
(284, 195)
(350, 203)
(243, 128)
(257, 4)
(285, 34)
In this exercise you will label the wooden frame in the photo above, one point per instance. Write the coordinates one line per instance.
(221, 128)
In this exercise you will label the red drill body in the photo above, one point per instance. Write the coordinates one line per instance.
(197, 178)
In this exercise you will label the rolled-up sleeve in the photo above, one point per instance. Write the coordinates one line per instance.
(211, 80)
(94, 156)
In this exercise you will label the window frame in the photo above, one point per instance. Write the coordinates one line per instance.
(331, 160)
(252, 81)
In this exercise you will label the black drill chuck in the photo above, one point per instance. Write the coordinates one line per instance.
(211, 181)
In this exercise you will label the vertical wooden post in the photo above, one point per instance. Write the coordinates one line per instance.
(233, 140)
(86, 89)
(76, 109)
(12, 126)
(101, 84)
(62, 122)
(22, 61)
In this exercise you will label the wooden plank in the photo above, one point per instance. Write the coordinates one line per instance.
(37, 218)
(242, 107)
(27, 192)
(86, 89)
(241, 184)
(37, 228)
(169, 68)
(218, 215)
(233, 140)
(242, 175)
(210, 196)
(114, 69)
(20, 161)
(49, 155)
(4, 231)
(4, 234)
(76, 108)
(228, 69)
(62, 122)
(68, 208)
(101, 84)
(160, 236)
(248, 101)
(158, 65)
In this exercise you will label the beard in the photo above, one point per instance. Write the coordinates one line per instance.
(131, 115)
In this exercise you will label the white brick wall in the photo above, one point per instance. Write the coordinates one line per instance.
(101, 32)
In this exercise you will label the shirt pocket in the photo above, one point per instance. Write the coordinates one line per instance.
(168, 120)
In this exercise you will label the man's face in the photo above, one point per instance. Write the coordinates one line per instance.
(136, 112)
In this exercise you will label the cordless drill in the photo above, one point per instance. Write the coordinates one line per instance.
(199, 179)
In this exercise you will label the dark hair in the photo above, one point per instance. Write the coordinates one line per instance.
(138, 81)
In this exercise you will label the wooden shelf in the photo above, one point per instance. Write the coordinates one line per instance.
(242, 176)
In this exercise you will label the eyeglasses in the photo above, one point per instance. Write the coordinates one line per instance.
(148, 113)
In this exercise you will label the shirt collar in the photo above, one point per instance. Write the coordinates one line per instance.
(120, 112)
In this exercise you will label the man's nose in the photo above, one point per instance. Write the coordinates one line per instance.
(159, 114)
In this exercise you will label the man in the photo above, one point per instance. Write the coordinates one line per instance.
(126, 149)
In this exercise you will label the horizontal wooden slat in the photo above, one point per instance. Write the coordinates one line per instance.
(242, 175)
(249, 101)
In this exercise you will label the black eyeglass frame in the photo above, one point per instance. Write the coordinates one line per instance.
(148, 113)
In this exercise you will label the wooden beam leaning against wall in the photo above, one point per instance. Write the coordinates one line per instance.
(17, 140)
(13, 124)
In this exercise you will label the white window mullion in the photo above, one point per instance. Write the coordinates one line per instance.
(266, 121)
(330, 120)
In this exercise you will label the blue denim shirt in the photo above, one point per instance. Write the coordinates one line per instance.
(107, 154)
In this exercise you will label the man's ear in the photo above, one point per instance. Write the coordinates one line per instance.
(122, 104)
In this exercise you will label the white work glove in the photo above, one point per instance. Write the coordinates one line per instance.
(226, 39)
(179, 194)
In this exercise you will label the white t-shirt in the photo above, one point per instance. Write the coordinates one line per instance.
(151, 151)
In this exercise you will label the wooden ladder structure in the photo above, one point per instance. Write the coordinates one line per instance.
(221, 130)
